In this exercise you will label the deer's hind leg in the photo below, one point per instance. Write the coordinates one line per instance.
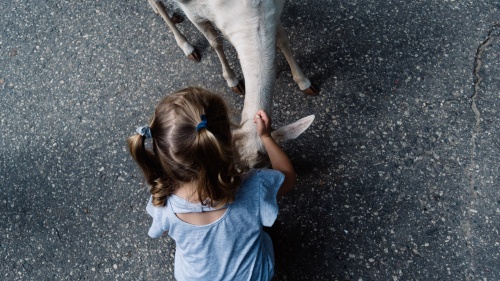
(209, 31)
(298, 76)
(188, 49)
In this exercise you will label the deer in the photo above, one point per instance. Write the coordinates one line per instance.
(254, 29)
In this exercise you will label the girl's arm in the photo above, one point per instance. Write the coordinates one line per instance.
(279, 160)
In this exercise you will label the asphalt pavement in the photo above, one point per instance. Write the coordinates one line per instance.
(398, 176)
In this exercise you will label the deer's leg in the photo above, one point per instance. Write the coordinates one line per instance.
(186, 47)
(299, 77)
(207, 29)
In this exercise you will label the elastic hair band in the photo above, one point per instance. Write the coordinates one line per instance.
(144, 131)
(203, 123)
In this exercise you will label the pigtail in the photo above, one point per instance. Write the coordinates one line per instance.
(151, 168)
(218, 178)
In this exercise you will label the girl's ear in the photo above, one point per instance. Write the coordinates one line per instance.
(292, 131)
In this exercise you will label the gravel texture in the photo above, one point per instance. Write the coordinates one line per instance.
(398, 175)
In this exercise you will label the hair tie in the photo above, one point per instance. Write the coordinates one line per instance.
(144, 131)
(202, 124)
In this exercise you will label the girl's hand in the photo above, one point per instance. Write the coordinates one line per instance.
(279, 160)
(263, 124)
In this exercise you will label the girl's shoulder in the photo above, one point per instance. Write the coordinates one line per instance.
(258, 180)
(259, 189)
(263, 175)
(160, 217)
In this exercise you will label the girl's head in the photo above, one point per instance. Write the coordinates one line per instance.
(191, 141)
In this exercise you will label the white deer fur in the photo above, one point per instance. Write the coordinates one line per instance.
(253, 27)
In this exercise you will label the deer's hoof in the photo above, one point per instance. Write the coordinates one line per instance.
(239, 89)
(194, 56)
(312, 90)
(176, 18)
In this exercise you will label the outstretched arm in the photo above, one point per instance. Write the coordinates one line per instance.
(279, 160)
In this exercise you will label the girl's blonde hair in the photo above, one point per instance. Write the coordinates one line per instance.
(184, 154)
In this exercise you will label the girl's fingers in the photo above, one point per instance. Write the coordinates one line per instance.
(257, 117)
(262, 120)
(261, 126)
(263, 115)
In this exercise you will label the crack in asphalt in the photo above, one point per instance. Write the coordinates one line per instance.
(471, 189)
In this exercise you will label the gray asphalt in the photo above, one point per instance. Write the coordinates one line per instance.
(398, 175)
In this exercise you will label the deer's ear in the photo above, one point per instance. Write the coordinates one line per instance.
(292, 131)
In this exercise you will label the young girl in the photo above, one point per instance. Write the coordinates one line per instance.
(213, 210)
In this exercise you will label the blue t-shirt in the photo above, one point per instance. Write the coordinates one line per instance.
(234, 247)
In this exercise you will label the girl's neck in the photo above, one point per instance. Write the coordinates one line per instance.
(188, 192)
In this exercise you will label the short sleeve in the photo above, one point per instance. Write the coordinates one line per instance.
(270, 183)
(160, 219)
